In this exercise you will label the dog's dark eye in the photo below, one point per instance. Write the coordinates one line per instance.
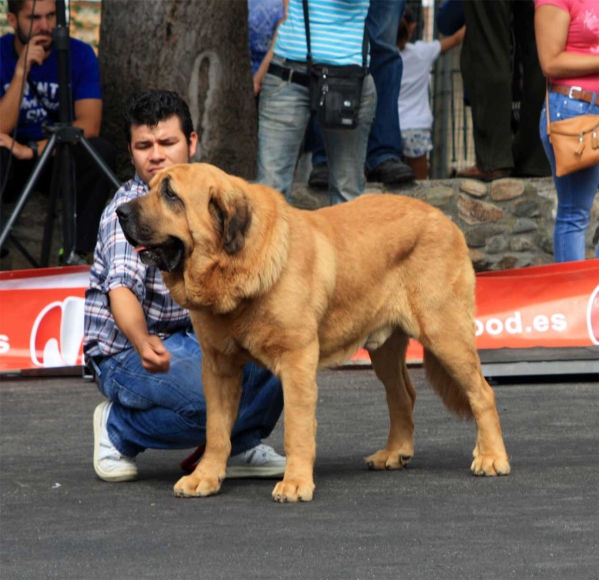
(168, 193)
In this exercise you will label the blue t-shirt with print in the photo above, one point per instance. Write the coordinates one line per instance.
(85, 84)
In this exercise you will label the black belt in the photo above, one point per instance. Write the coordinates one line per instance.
(289, 74)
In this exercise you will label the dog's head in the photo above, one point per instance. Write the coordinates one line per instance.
(194, 223)
(186, 208)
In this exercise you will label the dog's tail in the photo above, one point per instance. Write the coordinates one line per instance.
(446, 387)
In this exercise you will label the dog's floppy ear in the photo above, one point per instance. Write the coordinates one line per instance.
(232, 217)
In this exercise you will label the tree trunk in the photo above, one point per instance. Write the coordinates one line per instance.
(198, 48)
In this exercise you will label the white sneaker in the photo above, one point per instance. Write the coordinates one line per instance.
(261, 461)
(109, 464)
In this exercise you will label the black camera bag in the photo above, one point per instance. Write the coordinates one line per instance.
(335, 91)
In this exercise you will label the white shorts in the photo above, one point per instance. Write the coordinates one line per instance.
(416, 142)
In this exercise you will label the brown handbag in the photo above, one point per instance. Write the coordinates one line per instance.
(575, 142)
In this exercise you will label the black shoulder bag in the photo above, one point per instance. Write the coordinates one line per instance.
(336, 91)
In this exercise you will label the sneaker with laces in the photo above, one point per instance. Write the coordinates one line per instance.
(109, 463)
(260, 461)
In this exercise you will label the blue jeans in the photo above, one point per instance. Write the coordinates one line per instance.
(386, 68)
(576, 191)
(168, 411)
(284, 113)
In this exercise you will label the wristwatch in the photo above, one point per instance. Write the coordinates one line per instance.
(33, 146)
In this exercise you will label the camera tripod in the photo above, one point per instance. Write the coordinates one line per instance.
(63, 136)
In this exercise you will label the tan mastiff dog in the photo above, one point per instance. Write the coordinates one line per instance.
(298, 290)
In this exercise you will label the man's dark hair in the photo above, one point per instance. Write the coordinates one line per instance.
(15, 6)
(152, 107)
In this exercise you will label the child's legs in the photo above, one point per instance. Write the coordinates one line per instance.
(416, 145)
(419, 165)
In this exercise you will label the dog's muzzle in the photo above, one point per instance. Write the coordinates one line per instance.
(167, 255)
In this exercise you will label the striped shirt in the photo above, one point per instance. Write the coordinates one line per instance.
(116, 265)
(336, 31)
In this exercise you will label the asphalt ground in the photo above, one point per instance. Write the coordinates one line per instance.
(432, 520)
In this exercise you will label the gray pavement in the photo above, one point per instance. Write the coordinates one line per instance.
(433, 520)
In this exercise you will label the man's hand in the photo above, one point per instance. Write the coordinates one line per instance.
(34, 52)
(131, 319)
(21, 152)
(155, 358)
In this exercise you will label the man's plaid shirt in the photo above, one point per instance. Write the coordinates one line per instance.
(116, 265)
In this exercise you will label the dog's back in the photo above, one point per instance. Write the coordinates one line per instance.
(370, 262)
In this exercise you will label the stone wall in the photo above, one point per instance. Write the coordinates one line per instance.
(507, 223)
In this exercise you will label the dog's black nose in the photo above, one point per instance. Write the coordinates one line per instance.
(124, 212)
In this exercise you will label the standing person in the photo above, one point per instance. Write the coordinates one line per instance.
(29, 66)
(337, 32)
(568, 43)
(141, 345)
(486, 72)
(383, 157)
(415, 116)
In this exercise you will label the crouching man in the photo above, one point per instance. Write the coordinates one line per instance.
(141, 345)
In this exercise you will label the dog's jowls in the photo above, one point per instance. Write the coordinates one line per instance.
(297, 290)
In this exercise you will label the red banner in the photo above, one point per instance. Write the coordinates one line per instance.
(41, 313)
(544, 306)
(41, 318)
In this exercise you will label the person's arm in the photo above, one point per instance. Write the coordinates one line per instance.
(449, 42)
(21, 152)
(263, 68)
(129, 317)
(551, 30)
(88, 116)
(450, 17)
(10, 103)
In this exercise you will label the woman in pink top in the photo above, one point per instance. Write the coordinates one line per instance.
(567, 33)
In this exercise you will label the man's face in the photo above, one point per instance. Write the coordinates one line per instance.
(32, 21)
(155, 148)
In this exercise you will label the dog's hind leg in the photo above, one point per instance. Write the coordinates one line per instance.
(452, 366)
(390, 367)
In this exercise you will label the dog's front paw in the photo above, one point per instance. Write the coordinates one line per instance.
(490, 465)
(197, 485)
(385, 459)
(293, 490)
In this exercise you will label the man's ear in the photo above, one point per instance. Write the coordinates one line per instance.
(193, 144)
(232, 217)
(12, 20)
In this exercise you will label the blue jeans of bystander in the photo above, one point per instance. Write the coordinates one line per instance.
(576, 191)
(168, 411)
(386, 67)
(284, 113)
